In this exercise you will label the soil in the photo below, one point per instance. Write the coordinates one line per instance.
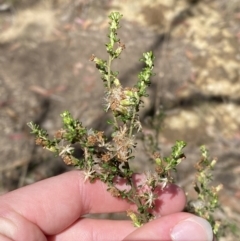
(45, 69)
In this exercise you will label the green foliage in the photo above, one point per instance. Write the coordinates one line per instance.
(207, 202)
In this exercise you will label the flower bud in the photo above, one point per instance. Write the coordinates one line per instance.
(213, 163)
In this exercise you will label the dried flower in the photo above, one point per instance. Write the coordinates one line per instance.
(91, 140)
(40, 142)
(114, 191)
(151, 179)
(59, 134)
(122, 154)
(106, 157)
(67, 159)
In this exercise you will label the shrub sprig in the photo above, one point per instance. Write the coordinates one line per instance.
(107, 159)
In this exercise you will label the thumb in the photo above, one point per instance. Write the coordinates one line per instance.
(174, 227)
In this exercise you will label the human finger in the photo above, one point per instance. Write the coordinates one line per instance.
(55, 203)
(95, 230)
(14, 226)
(174, 227)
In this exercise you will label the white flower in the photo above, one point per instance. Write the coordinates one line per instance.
(150, 198)
(151, 177)
(164, 182)
(66, 150)
(88, 174)
(138, 125)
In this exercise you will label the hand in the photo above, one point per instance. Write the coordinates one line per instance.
(52, 210)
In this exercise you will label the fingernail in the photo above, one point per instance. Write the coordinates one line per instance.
(6, 227)
(195, 228)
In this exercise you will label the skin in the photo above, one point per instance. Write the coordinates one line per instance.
(52, 210)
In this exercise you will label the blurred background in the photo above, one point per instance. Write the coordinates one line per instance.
(45, 47)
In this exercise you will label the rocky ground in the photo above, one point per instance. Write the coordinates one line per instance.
(45, 69)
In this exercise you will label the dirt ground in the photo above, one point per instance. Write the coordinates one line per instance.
(45, 47)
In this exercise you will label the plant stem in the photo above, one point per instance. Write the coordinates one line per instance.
(110, 59)
(131, 124)
(109, 72)
(137, 201)
(135, 197)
